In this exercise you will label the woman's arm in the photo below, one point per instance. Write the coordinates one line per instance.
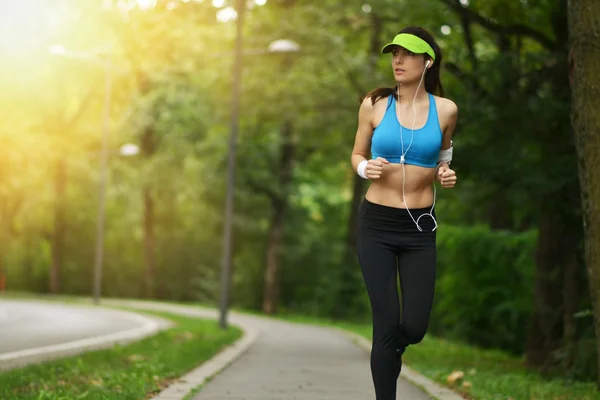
(362, 141)
(449, 114)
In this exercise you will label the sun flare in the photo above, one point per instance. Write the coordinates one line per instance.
(26, 25)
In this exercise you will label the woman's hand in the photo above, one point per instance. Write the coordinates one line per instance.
(374, 168)
(446, 176)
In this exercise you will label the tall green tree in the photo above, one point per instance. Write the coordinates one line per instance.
(584, 38)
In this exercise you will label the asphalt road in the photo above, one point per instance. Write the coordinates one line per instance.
(27, 325)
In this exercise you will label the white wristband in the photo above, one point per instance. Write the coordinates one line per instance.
(361, 169)
(446, 155)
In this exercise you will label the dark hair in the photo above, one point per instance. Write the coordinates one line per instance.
(433, 83)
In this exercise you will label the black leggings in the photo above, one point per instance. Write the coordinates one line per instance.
(389, 244)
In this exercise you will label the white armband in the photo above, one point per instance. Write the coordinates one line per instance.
(446, 155)
(361, 169)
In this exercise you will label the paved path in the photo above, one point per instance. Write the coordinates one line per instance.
(287, 361)
(32, 331)
(25, 324)
(299, 362)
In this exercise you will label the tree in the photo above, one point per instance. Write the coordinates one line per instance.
(543, 179)
(584, 32)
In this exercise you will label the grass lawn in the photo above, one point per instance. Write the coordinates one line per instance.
(131, 372)
(492, 375)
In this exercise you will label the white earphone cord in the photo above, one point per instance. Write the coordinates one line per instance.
(430, 213)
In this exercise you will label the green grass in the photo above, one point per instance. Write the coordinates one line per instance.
(493, 375)
(131, 372)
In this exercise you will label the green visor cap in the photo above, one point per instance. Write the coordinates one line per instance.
(411, 43)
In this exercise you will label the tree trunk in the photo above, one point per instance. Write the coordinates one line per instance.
(58, 236)
(358, 191)
(545, 324)
(359, 184)
(570, 300)
(350, 277)
(499, 211)
(584, 35)
(280, 205)
(271, 293)
(350, 284)
(150, 260)
(3, 277)
(148, 147)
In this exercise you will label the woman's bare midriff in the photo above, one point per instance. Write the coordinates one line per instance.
(418, 189)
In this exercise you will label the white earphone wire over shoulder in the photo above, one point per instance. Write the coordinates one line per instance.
(404, 152)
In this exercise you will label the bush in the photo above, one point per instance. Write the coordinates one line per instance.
(484, 286)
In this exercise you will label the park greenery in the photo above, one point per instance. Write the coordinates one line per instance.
(512, 244)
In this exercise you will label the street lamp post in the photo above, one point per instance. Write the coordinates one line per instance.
(125, 150)
(99, 253)
(278, 46)
(235, 101)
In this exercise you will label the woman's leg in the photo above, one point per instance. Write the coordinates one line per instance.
(416, 267)
(379, 269)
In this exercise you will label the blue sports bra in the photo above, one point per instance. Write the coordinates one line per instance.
(426, 142)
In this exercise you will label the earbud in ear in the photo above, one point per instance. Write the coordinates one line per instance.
(427, 64)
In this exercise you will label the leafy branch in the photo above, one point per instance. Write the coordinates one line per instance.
(510, 30)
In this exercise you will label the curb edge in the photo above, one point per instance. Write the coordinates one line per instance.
(431, 387)
(23, 358)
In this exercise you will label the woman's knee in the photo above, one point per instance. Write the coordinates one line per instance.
(386, 333)
(413, 333)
